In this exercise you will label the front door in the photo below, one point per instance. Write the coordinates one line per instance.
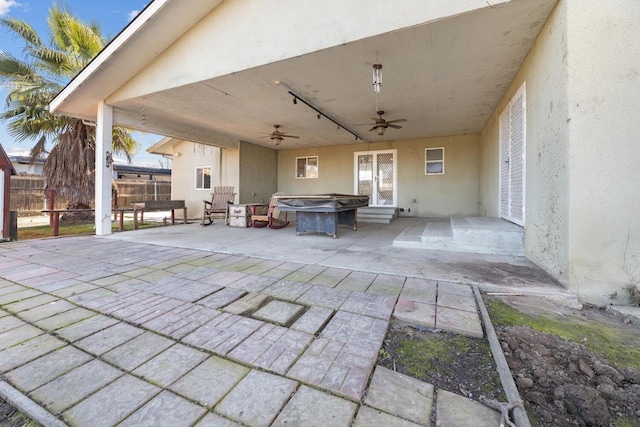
(375, 176)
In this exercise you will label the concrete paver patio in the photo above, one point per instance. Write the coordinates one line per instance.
(102, 331)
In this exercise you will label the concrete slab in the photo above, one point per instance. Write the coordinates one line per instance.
(66, 318)
(357, 281)
(286, 290)
(75, 385)
(210, 381)
(313, 320)
(246, 303)
(86, 327)
(257, 399)
(223, 297)
(415, 313)
(107, 339)
(137, 351)
(170, 365)
(324, 297)
(379, 306)
(368, 417)
(223, 334)
(330, 277)
(313, 408)
(278, 312)
(26, 351)
(417, 396)
(6, 324)
(112, 404)
(215, 420)
(29, 303)
(46, 368)
(165, 410)
(456, 301)
(458, 321)
(454, 410)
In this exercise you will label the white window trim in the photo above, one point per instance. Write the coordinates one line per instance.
(426, 162)
(295, 172)
(195, 178)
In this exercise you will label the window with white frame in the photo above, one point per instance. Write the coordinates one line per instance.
(434, 161)
(203, 178)
(307, 167)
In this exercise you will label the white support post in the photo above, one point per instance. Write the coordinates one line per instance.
(104, 130)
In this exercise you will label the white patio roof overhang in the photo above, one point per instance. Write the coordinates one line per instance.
(206, 71)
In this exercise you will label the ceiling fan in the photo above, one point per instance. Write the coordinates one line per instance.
(276, 136)
(380, 124)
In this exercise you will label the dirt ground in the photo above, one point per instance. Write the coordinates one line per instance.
(561, 380)
(11, 417)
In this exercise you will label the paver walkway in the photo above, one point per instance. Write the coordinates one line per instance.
(105, 332)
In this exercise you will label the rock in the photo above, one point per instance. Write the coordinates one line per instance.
(585, 403)
(524, 383)
(585, 368)
(603, 369)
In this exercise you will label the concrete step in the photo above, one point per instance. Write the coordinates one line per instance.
(473, 234)
(379, 215)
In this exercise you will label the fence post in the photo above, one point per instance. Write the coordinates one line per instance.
(155, 190)
(51, 205)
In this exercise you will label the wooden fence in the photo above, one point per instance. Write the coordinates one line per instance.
(29, 197)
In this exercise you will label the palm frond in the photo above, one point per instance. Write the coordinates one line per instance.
(23, 30)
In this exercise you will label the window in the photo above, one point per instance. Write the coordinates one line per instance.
(203, 178)
(434, 161)
(307, 167)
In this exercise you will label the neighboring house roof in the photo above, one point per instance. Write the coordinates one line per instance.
(164, 146)
(141, 169)
(5, 163)
(26, 160)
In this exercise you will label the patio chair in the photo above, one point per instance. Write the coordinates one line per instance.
(272, 218)
(219, 205)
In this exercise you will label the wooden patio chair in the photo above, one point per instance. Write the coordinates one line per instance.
(219, 205)
(272, 218)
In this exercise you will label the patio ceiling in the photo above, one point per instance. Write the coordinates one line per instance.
(444, 77)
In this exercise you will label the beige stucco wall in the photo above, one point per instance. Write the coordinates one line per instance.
(224, 172)
(456, 193)
(547, 155)
(258, 173)
(582, 85)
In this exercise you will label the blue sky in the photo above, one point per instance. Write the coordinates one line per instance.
(111, 15)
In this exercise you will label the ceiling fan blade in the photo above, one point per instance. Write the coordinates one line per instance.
(373, 128)
(396, 121)
(375, 119)
(289, 136)
(394, 126)
(364, 124)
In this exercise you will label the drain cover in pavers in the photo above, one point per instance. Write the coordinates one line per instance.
(459, 302)
(458, 321)
(182, 320)
(221, 298)
(246, 303)
(286, 290)
(379, 306)
(454, 410)
(165, 410)
(415, 313)
(44, 369)
(312, 320)
(171, 364)
(313, 408)
(400, 395)
(224, 333)
(215, 420)
(85, 327)
(324, 297)
(271, 347)
(210, 381)
(109, 338)
(278, 312)
(257, 399)
(24, 352)
(135, 352)
(111, 404)
(75, 385)
(368, 417)
(342, 357)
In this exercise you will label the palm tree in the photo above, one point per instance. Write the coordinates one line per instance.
(34, 81)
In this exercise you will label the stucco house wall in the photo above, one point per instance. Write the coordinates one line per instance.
(582, 85)
(258, 173)
(456, 193)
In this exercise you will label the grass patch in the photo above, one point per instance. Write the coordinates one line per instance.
(618, 344)
(74, 229)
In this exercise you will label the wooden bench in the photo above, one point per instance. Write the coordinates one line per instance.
(157, 205)
(55, 223)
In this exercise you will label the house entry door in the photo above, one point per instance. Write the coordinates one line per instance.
(376, 177)
(512, 159)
